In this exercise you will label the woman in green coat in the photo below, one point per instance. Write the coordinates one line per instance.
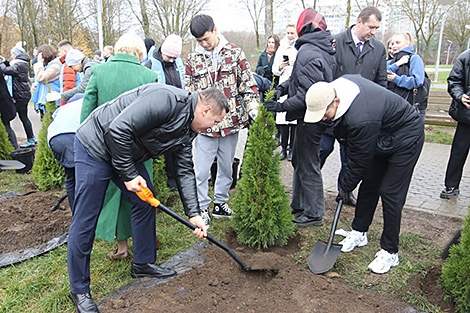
(121, 73)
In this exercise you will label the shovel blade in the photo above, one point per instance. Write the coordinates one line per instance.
(322, 260)
(11, 165)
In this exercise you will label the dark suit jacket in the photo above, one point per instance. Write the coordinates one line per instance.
(370, 64)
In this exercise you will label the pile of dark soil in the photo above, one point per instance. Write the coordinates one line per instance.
(26, 221)
(220, 285)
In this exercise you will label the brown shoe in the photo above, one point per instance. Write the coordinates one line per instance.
(114, 255)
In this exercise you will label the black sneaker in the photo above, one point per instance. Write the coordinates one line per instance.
(221, 210)
(449, 192)
(303, 220)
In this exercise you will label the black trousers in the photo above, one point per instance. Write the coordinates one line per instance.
(307, 183)
(388, 177)
(22, 109)
(11, 134)
(458, 155)
(287, 135)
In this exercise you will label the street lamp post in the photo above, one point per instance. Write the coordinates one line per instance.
(445, 3)
(448, 51)
(468, 42)
(100, 23)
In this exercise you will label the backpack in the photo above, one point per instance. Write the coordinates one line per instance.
(421, 94)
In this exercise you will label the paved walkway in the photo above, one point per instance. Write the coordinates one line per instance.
(423, 195)
(426, 184)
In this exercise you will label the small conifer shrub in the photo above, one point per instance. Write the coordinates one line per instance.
(159, 180)
(261, 212)
(47, 172)
(5, 145)
(456, 271)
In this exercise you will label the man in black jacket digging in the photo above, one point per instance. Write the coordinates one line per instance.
(384, 136)
(112, 144)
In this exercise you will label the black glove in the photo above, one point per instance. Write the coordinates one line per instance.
(344, 195)
(277, 95)
(283, 88)
(273, 106)
(261, 71)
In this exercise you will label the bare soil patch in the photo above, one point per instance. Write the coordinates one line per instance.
(220, 285)
(26, 221)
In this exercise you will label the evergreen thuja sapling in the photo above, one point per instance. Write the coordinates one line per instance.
(261, 212)
(159, 180)
(5, 145)
(47, 172)
(456, 271)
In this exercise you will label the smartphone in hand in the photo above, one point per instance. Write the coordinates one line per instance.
(285, 58)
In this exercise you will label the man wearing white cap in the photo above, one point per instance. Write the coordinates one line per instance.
(384, 138)
(79, 63)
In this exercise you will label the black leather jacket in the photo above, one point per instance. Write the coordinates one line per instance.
(458, 84)
(144, 123)
(19, 70)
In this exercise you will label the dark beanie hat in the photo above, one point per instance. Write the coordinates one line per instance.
(149, 42)
(310, 21)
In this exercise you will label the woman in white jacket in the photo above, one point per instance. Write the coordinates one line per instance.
(282, 67)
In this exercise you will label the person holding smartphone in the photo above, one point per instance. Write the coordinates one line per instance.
(282, 67)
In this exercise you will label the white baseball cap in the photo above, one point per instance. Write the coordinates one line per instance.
(318, 97)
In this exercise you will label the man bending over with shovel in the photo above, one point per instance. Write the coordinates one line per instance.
(384, 137)
(112, 144)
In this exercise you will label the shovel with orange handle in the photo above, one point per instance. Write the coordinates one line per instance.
(147, 196)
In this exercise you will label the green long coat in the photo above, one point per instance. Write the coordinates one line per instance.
(122, 73)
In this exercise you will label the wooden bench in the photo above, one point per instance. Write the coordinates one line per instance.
(438, 109)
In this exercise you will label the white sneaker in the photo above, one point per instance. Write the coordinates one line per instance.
(383, 262)
(353, 239)
(206, 218)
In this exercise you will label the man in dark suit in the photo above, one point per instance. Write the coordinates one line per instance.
(357, 52)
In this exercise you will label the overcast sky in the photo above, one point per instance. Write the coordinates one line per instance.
(229, 15)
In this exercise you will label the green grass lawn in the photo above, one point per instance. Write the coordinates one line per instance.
(41, 284)
(442, 78)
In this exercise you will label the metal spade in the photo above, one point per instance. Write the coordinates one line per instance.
(323, 256)
(147, 196)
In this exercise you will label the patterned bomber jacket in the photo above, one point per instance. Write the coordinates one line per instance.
(233, 77)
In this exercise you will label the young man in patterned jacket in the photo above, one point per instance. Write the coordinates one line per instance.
(217, 63)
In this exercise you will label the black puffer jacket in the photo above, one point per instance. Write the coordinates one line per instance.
(315, 62)
(7, 108)
(19, 70)
(458, 83)
(378, 122)
(144, 123)
(371, 63)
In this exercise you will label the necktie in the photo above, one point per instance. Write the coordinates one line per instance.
(359, 47)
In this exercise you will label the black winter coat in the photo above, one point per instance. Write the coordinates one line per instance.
(19, 70)
(458, 83)
(378, 122)
(315, 62)
(7, 108)
(370, 64)
(144, 123)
